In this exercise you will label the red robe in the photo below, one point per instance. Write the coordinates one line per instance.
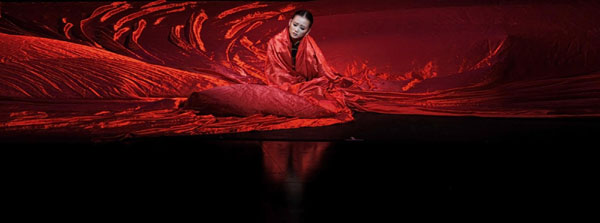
(310, 62)
(309, 91)
(312, 76)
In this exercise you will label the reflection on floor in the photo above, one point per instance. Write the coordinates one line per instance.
(379, 168)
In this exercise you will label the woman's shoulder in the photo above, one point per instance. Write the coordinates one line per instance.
(272, 40)
(280, 36)
(277, 42)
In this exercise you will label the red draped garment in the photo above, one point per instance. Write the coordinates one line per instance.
(311, 77)
(311, 65)
(310, 90)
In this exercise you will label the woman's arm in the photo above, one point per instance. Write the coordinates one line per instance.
(276, 71)
(327, 71)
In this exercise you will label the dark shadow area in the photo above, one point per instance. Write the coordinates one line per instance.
(435, 130)
(377, 168)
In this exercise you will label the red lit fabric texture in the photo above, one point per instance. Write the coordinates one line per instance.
(250, 99)
(111, 70)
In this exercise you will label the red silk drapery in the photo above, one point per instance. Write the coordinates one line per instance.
(310, 63)
(124, 67)
(312, 75)
(312, 79)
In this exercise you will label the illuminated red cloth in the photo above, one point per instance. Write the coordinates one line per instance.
(124, 68)
(311, 65)
(313, 80)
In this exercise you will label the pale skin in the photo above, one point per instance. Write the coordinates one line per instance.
(298, 27)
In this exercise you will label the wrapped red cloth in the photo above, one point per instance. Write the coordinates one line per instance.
(311, 67)
(308, 91)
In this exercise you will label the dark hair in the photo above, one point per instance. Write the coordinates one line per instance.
(306, 14)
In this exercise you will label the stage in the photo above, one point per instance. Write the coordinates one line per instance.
(459, 110)
(379, 167)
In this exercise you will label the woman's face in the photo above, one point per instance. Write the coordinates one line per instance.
(298, 27)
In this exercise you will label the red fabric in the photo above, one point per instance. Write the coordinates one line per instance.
(251, 99)
(122, 69)
(313, 79)
(311, 65)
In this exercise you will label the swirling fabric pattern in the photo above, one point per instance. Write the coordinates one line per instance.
(106, 70)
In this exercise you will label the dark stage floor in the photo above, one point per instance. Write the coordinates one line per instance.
(376, 168)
